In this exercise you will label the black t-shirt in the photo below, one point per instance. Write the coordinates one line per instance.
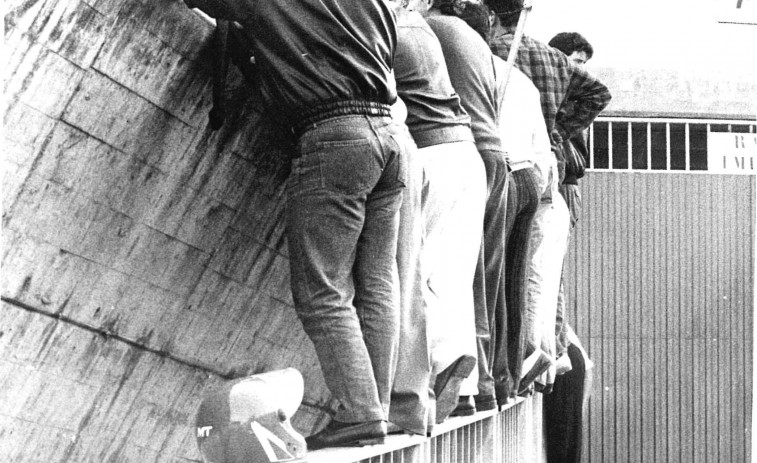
(313, 52)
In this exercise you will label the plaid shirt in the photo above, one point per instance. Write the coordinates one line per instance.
(561, 83)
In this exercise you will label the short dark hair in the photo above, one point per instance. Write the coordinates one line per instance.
(569, 42)
(477, 17)
(508, 11)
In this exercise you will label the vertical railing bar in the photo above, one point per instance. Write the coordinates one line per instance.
(667, 145)
(609, 145)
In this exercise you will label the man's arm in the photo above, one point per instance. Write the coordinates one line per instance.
(545, 162)
(588, 97)
(471, 71)
(219, 9)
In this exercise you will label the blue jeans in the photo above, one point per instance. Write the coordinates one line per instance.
(343, 200)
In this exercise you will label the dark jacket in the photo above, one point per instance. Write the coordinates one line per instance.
(314, 52)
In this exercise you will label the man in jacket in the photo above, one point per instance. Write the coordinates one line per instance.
(565, 408)
(438, 341)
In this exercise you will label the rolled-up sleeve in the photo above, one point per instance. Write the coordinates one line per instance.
(588, 97)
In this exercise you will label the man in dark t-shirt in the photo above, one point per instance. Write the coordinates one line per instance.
(471, 71)
(324, 72)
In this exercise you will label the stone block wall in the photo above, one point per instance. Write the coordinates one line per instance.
(143, 258)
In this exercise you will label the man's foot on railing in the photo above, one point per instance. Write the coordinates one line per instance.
(338, 434)
(465, 406)
(485, 402)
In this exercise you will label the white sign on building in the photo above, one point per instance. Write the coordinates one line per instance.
(738, 12)
(731, 153)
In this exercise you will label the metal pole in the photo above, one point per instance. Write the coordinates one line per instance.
(517, 38)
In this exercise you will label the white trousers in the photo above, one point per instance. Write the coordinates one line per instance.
(453, 201)
(548, 244)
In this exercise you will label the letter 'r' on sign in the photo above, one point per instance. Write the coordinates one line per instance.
(731, 153)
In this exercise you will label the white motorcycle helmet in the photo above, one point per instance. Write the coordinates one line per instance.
(247, 421)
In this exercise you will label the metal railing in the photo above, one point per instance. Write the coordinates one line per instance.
(513, 434)
(658, 144)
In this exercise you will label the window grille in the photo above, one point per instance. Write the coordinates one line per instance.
(675, 145)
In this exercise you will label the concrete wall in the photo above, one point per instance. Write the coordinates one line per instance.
(143, 258)
(661, 92)
(142, 254)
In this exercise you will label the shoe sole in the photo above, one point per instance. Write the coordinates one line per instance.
(485, 403)
(368, 441)
(486, 406)
(465, 412)
(362, 435)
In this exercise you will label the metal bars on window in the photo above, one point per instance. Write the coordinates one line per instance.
(656, 144)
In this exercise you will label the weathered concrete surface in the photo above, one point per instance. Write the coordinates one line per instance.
(690, 93)
(143, 254)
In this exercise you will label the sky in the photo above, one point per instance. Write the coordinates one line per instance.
(655, 33)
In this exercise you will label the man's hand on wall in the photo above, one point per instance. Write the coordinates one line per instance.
(218, 9)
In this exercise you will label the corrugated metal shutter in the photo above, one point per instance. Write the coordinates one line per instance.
(660, 286)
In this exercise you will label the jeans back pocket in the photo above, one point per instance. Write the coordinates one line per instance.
(348, 166)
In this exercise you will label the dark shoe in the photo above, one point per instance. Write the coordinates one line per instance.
(447, 385)
(503, 402)
(465, 406)
(337, 434)
(392, 428)
(504, 389)
(395, 429)
(430, 416)
(527, 392)
(485, 402)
